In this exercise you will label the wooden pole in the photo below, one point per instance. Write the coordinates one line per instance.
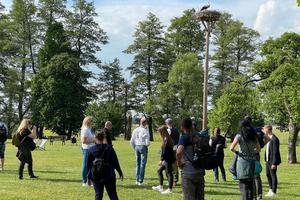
(205, 82)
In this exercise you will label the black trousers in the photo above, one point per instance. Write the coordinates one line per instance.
(257, 188)
(272, 177)
(25, 157)
(193, 187)
(169, 170)
(246, 188)
(221, 166)
(110, 186)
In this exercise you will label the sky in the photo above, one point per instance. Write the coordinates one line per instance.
(119, 18)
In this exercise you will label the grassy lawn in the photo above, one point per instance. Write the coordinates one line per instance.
(59, 171)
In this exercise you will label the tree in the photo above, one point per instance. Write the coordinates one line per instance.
(85, 33)
(234, 104)
(236, 48)
(111, 81)
(23, 31)
(279, 70)
(181, 96)
(147, 49)
(51, 10)
(106, 111)
(63, 97)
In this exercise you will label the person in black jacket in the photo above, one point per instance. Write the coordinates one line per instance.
(107, 131)
(25, 136)
(166, 161)
(110, 160)
(273, 159)
(218, 143)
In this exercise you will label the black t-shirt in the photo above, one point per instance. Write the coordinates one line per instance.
(218, 144)
(174, 135)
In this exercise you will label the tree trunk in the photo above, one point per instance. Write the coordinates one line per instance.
(150, 126)
(292, 142)
(22, 90)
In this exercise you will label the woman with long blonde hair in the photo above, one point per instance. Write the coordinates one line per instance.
(166, 162)
(87, 140)
(26, 136)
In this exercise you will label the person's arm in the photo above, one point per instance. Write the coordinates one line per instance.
(132, 142)
(179, 155)
(117, 164)
(32, 134)
(275, 149)
(234, 144)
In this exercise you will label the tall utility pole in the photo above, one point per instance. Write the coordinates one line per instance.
(208, 18)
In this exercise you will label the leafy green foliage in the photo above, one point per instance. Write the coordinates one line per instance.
(234, 104)
(181, 96)
(63, 96)
(106, 111)
(111, 81)
(147, 49)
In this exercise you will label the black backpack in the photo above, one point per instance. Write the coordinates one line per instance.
(3, 133)
(100, 167)
(203, 155)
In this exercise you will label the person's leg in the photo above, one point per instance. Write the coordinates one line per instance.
(250, 184)
(243, 189)
(84, 165)
(200, 188)
(273, 174)
(2, 152)
(258, 188)
(138, 163)
(21, 169)
(268, 173)
(144, 155)
(99, 188)
(216, 174)
(169, 169)
(160, 174)
(188, 188)
(111, 189)
(175, 172)
(30, 165)
(221, 165)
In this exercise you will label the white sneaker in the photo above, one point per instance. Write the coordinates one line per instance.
(141, 184)
(85, 185)
(158, 188)
(168, 191)
(136, 182)
(270, 194)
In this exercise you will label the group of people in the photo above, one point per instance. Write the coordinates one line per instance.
(177, 150)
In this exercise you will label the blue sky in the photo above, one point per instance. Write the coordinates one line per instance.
(119, 18)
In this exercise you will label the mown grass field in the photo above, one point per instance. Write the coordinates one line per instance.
(59, 170)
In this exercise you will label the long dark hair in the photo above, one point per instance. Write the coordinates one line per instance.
(247, 131)
(166, 138)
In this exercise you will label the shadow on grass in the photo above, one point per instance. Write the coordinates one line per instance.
(60, 180)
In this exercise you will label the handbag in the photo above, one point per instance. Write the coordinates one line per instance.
(258, 168)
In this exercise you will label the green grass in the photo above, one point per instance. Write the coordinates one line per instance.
(59, 171)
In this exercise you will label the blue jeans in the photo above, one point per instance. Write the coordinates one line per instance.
(2, 150)
(141, 153)
(84, 165)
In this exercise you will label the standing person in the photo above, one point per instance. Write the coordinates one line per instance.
(192, 178)
(140, 140)
(107, 131)
(26, 136)
(3, 138)
(175, 135)
(248, 148)
(166, 161)
(87, 140)
(103, 157)
(218, 143)
(273, 159)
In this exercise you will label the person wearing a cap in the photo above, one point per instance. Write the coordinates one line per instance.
(175, 135)
(140, 140)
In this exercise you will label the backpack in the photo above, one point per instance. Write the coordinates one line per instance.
(203, 155)
(15, 140)
(100, 167)
(3, 133)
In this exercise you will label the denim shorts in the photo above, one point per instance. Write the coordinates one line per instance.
(2, 150)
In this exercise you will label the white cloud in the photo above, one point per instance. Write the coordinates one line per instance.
(275, 17)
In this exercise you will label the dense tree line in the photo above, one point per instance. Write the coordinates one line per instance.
(45, 47)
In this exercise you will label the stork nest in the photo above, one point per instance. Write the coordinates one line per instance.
(208, 15)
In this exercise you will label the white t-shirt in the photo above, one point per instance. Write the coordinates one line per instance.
(86, 132)
(140, 136)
